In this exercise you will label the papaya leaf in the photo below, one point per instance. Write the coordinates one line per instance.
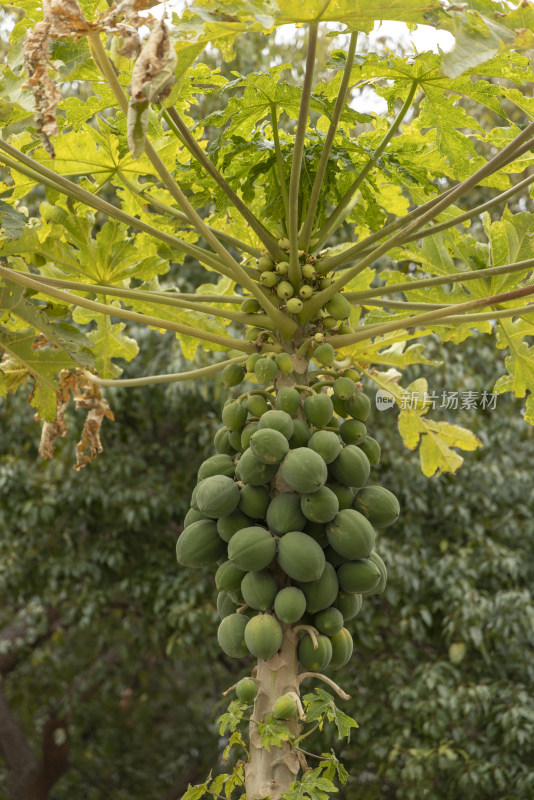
(511, 334)
(12, 222)
(197, 791)
(321, 707)
(232, 718)
(391, 350)
(477, 39)
(312, 786)
(273, 733)
(436, 439)
(333, 768)
(109, 341)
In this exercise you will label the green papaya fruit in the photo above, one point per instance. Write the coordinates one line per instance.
(344, 494)
(378, 505)
(358, 406)
(233, 375)
(327, 444)
(263, 636)
(339, 307)
(333, 557)
(246, 435)
(254, 501)
(284, 361)
(246, 690)
(342, 647)
(284, 514)
(193, 515)
(234, 416)
(199, 545)
(265, 370)
(234, 437)
(288, 400)
(265, 263)
(329, 621)
(220, 464)
(324, 354)
(376, 559)
(353, 431)
(314, 659)
(257, 405)
(228, 577)
(344, 388)
(359, 577)
(225, 605)
(300, 556)
(252, 548)
(301, 434)
(318, 409)
(221, 443)
(320, 506)
(351, 535)
(217, 496)
(259, 589)
(351, 467)
(372, 450)
(228, 525)
(231, 635)
(285, 707)
(250, 305)
(278, 421)
(253, 471)
(317, 531)
(321, 593)
(290, 604)
(269, 445)
(304, 470)
(350, 605)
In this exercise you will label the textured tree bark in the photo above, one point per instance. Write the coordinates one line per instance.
(270, 772)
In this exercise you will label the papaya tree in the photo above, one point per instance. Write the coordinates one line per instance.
(334, 243)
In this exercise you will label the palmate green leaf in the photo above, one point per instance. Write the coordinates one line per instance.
(273, 733)
(391, 350)
(332, 768)
(477, 39)
(109, 341)
(232, 718)
(436, 440)
(312, 786)
(12, 222)
(321, 707)
(511, 334)
(197, 791)
(41, 364)
(511, 239)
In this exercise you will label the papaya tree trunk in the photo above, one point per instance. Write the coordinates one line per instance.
(269, 773)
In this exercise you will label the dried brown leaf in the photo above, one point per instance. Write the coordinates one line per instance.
(152, 79)
(65, 18)
(90, 444)
(45, 92)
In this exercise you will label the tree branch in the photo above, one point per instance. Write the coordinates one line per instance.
(175, 377)
(319, 676)
(177, 125)
(279, 162)
(296, 162)
(329, 139)
(122, 313)
(337, 216)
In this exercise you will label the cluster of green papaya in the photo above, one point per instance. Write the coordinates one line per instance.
(273, 276)
(285, 511)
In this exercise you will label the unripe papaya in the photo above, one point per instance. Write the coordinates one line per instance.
(220, 464)
(252, 549)
(359, 577)
(284, 290)
(228, 577)
(285, 707)
(254, 501)
(269, 279)
(252, 334)
(344, 495)
(304, 470)
(284, 243)
(265, 370)
(329, 621)
(284, 513)
(284, 363)
(301, 434)
(225, 605)
(263, 636)
(221, 443)
(358, 406)
(353, 431)
(246, 435)
(278, 421)
(233, 375)
(288, 400)
(344, 388)
(324, 354)
(350, 605)
(378, 505)
(193, 515)
(217, 496)
(234, 437)
(327, 444)
(321, 593)
(251, 361)
(246, 690)
(253, 471)
(371, 448)
(294, 305)
(265, 263)
(333, 557)
(376, 559)
(317, 531)
(320, 506)
(342, 647)
(318, 409)
(351, 467)
(315, 660)
(282, 267)
(234, 416)
(351, 535)
(308, 272)
(199, 545)
(329, 323)
(227, 526)
(257, 405)
(250, 305)
(305, 292)
(338, 307)
(300, 556)
(259, 589)
(231, 635)
(269, 446)
(339, 406)
(290, 604)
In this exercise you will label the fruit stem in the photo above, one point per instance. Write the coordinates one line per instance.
(319, 675)
(312, 632)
